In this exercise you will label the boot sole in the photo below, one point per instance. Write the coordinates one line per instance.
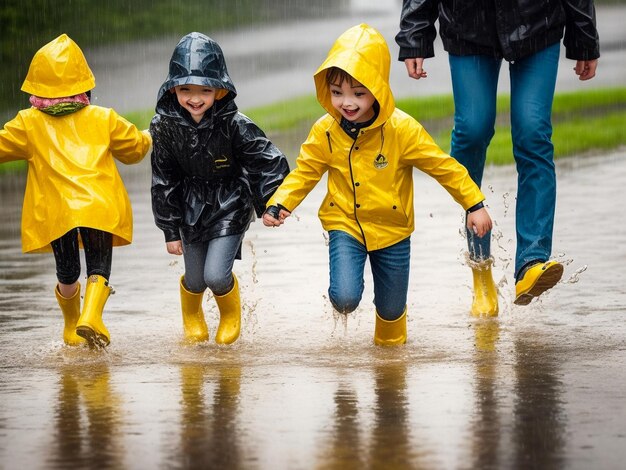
(545, 282)
(94, 340)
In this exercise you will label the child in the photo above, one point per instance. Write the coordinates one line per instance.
(369, 149)
(212, 168)
(74, 194)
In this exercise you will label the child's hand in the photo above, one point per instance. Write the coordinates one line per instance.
(479, 222)
(175, 247)
(275, 217)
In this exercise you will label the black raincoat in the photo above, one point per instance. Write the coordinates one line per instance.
(509, 29)
(209, 178)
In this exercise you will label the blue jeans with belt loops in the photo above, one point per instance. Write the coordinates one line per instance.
(390, 271)
(532, 79)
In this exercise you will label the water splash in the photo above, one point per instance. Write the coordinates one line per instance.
(253, 270)
(505, 202)
(326, 239)
(575, 277)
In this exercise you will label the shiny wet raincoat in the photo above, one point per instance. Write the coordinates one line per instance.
(509, 29)
(208, 178)
(72, 177)
(370, 179)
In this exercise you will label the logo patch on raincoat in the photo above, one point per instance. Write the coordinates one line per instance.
(380, 162)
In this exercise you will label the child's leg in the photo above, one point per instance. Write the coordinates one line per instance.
(67, 292)
(192, 287)
(219, 277)
(195, 255)
(347, 263)
(98, 247)
(390, 270)
(67, 258)
(218, 264)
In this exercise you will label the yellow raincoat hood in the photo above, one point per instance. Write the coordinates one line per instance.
(59, 69)
(362, 52)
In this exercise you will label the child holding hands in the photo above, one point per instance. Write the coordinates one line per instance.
(369, 149)
(75, 197)
(212, 169)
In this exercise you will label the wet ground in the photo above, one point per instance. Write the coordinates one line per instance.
(541, 386)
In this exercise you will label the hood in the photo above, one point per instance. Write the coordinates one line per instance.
(59, 69)
(196, 60)
(362, 52)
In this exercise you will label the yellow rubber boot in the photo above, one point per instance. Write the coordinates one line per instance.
(70, 307)
(390, 333)
(194, 324)
(536, 280)
(230, 315)
(485, 303)
(90, 325)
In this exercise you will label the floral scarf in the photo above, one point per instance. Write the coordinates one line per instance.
(60, 106)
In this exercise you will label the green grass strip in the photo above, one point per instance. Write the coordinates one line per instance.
(599, 134)
(584, 121)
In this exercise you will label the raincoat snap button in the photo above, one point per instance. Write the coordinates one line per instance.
(358, 205)
(356, 148)
(332, 204)
(357, 184)
(394, 208)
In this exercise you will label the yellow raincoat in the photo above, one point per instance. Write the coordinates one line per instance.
(370, 179)
(72, 177)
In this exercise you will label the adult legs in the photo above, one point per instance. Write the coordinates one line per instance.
(474, 85)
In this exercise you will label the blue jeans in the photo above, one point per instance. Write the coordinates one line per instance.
(533, 79)
(210, 264)
(390, 270)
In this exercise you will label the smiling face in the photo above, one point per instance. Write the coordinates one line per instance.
(197, 99)
(353, 100)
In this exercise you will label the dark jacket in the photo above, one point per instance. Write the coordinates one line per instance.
(208, 179)
(509, 29)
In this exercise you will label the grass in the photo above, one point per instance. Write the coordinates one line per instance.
(584, 122)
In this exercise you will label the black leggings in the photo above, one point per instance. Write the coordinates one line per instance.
(98, 247)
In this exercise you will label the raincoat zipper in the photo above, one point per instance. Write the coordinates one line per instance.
(356, 217)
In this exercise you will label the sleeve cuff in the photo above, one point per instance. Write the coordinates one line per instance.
(475, 207)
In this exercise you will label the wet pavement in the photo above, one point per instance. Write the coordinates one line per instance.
(541, 386)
